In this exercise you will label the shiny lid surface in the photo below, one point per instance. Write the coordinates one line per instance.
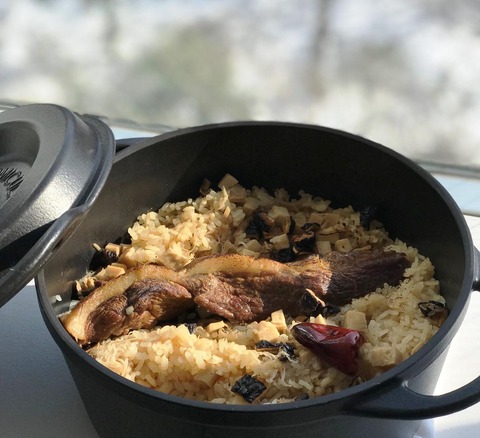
(53, 164)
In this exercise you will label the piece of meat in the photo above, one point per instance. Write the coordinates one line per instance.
(104, 312)
(250, 298)
(337, 278)
(106, 319)
(143, 305)
(244, 289)
(237, 287)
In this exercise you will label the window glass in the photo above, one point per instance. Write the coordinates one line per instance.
(403, 72)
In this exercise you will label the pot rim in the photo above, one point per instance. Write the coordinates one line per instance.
(398, 375)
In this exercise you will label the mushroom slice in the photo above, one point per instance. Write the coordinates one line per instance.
(249, 388)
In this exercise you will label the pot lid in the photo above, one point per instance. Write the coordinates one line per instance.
(53, 164)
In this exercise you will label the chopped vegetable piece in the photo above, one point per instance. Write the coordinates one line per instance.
(284, 255)
(279, 321)
(310, 227)
(337, 346)
(357, 380)
(264, 345)
(355, 320)
(330, 220)
(84, 287)
(323, 247)
(435, 310)
(102, 258)
(431, 308)
(316, 218)
(280, 242)
(282, 218)
(191, 326)
(251, 204)
(343, 245)
(114, 247)
(310, 303)
(227, 181)
(205, 187)
(266, 330)
(385, 357)
(261, 223)
(330, 237)
(265, 221)
(111, 271)
(249, 388)
(286, 350)
(305, 242)
(319, 319)
(215, 326)
(330, 310)
(237, 194)
(367, 215)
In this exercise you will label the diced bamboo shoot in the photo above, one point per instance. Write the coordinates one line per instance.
(330, 219)
(127, 257)
(205, 187)
(343, 245)
(319, 319)
(227, 181)
(215, 326)
(385, 356)
(266, 331)
(113, 247)
(316, 218)
(251, 204)
(278, 320)
(237, 194)
(331, 237)
(355, 320)
(254, 245)
(281, 216)
(280, 242)
(323, 247)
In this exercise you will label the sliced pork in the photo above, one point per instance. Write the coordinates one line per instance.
(237, 287)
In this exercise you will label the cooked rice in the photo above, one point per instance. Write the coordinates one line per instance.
(205, 364)
(213, 224)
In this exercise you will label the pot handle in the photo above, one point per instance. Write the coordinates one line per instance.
(404, 403)
(476, 267)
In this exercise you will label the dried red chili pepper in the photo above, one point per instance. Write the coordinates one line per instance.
(337, 346)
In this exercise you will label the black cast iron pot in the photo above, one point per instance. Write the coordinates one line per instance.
(345, 168)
